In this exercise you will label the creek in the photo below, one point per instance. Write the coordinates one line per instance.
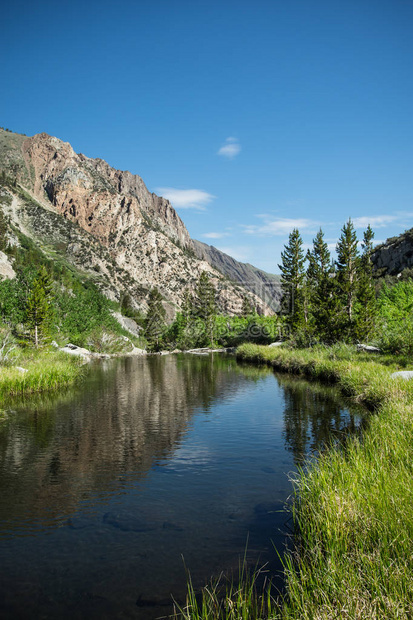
(109, 490)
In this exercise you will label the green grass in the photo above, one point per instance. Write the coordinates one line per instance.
(247, 596)
(46, 370)
(353, 509)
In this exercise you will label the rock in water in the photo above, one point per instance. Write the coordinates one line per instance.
(128, 522)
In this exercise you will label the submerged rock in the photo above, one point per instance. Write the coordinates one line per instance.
(268, 470)
(128, 522)
(167, 525)
(79, 523)
(153, 602)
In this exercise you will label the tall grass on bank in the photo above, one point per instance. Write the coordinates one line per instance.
(46, 370)
(354, 508)
(246, 597)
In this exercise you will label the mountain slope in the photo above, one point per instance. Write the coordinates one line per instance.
(265, 285)
(105, 222)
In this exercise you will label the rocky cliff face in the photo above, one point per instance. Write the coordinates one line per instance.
(264, 285)
(102, 200)
(105, 222)
(394, 256)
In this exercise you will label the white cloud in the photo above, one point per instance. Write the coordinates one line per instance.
(280, 226)
(375, 221)
(230, 149)
(216, 235)
(186, 198)
(380, 221)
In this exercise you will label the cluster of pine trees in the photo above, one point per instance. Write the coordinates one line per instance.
(201, 324)
(194, 325)
(328, 300)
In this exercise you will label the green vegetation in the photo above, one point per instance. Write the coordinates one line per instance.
(395, 307)
(353, 509)
(329, 301)
(39, 371)
(199, 324)
(243, 597)
(292, 280)
(50, 301)
(38, 305)
(155, 320)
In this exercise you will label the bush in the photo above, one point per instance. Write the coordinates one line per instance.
(396, 318)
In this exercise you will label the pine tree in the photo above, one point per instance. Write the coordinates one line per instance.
(366, 295)
(38, 306)
(155, 320)
(319, 260)
(187, 307)
(204, 301)
(292, 280)
(205, 307)
(247, 308)
(183, 332)
(320, 278)
(347, 273)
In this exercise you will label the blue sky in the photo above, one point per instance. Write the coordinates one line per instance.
(253, 117)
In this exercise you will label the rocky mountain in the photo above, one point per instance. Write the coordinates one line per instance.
(106, 223)
(264, 285)
(394, 256)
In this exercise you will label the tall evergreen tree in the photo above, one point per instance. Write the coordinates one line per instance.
(247, 308)
(204, 300)
(38, 306)
(319, 260)
(321, 286)
(205, 306)
(366, 295)
(292, 280)
(347, 273)
(155, 320)
(183, 325)
(187, 306)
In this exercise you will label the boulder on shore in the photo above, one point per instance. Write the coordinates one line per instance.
(72, 349)
(403, 374)
(367, 348)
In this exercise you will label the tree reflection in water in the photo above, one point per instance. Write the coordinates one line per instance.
(316, 416)
(105, 486)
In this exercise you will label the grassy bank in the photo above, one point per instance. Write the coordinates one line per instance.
(354, 508)
(46, 370)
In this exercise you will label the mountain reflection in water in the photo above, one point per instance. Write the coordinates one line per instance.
(106, 486)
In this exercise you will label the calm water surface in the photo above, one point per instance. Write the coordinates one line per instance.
(106, 488)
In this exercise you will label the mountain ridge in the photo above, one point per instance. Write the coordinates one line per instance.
(265, 285)
(106, 222)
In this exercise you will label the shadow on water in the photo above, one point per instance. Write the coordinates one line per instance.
(105, 487)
